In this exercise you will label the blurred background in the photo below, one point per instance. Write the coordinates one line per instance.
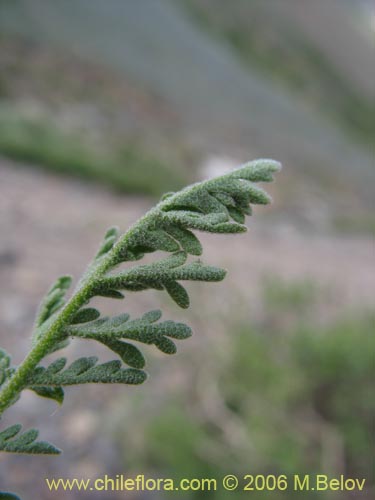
(106, 105)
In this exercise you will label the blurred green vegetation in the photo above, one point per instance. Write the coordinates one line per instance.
(125, 167)
(355, 225)
(287, 57)
(296, 296)
(290, 394)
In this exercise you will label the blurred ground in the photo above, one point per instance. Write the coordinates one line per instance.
(211, 101)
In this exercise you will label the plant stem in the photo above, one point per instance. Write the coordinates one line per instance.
(18, 380)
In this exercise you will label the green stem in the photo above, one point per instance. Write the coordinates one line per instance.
(18, 380)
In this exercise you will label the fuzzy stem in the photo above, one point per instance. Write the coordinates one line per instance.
(18, 380)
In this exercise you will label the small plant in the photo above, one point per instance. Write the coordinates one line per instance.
(216, 206)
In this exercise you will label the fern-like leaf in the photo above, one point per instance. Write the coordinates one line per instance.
(84, 371)
(161, 275)
(54, 393)
(5, 368)
(129, 353)
(12, 440)
(146, 330)
(50, 305)
(85, 315)
(110, 239)
(54, 300)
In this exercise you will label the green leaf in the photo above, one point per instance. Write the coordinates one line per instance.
(199, 200)
(175, 330)
(257, 170)
(129, 354)
(116, 321)
(62, 283)
(170, 262)
(78, 367)
(110, 239)
(60, 345)
(164, 274)
(55, 367)
(160, 240)
(167, 195)
(205, 206)
(237, 215)
(54, 393)
(10, 432)
(166, 345)
(224, 198)
(230, 228)
(151, 240)
(152, 316)
(212, 223)
(13, 441)
(196, 271)
(53, 301)
(85, 315)
(188, 241)
(178, 293)
(86, 371)
(145, 330)
(4, 366)
(106, 246)
(112, 231)
(112, 294)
